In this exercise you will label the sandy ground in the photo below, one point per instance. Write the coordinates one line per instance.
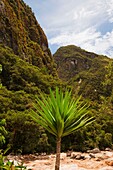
(102, 161)
(68, 164)
(97, 163)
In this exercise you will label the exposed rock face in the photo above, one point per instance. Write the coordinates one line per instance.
(20, 31)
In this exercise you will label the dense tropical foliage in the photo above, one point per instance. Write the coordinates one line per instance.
(27, 68)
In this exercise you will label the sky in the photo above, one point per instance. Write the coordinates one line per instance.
(84, 23)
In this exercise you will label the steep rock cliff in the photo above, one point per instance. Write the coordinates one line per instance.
(20, 31)
(24, 52)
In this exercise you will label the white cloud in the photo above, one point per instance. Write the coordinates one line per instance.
(110, 9)
(83, 23)
(89, 39)
(75, 38)
(102, 44)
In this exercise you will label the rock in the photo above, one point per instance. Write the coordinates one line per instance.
(36, 154)
(99, 159)
(79, 156)
(68, 154)
(47, 163)
(32, 157)
(108, 149)
(87, 157)
(92, 155)
(83, 157)
(73, 155)
(22, 158)
(43, 154)
(52, 156)
(95, 150)
(109, 154)
(110, 163)
(62, 156)
(43, 157)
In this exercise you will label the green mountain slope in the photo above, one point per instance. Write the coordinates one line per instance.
(17, 74)
(89, 73)
(28, 47)
(91, 76)
(27, 70)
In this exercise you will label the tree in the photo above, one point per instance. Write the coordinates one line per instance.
(60, 115)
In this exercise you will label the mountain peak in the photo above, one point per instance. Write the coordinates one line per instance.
(72, 60)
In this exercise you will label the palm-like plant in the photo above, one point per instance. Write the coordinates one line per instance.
(60, 115)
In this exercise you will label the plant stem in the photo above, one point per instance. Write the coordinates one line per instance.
(58, 149)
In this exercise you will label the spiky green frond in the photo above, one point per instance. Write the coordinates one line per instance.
(60, 114)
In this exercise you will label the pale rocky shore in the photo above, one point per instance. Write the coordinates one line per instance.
(93, 160)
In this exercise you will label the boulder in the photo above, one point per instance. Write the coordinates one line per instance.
(95, 150)
(79, 156)
(108, 149)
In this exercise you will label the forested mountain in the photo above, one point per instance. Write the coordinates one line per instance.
(89, 73)
(28, 69)
(20, 31)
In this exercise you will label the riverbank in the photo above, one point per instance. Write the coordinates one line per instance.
(102, 160)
